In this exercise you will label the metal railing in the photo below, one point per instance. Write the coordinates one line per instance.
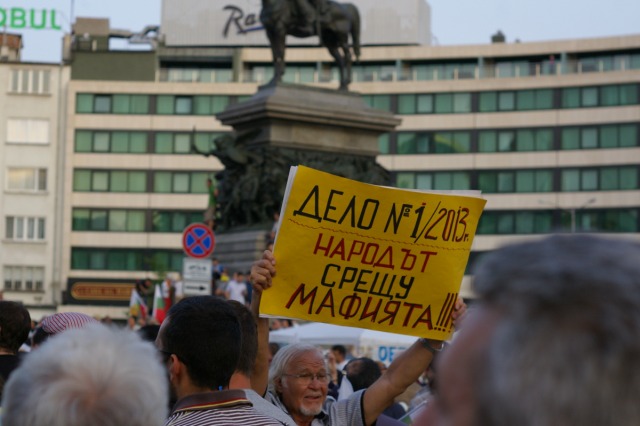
(421, 72)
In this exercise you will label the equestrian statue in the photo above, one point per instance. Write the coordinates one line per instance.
(333, 22)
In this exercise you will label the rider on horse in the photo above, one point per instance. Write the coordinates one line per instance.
(311, 13)
(335, 23)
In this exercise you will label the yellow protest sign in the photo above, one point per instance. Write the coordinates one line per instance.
(361, 255)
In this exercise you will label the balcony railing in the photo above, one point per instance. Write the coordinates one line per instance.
(414, 72)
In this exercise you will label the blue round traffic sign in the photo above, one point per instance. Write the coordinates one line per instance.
(198, 240)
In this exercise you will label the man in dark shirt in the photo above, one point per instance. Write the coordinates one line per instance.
(200, 341)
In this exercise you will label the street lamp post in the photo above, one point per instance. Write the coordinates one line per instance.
(572, 211)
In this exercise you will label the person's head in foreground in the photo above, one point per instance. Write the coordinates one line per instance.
(553, 340)
(298, 376)
(94, 376)
(200, 339)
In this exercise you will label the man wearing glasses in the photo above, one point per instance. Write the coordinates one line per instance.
(299, 381)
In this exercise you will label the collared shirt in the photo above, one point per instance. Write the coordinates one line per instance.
(268, 409)
(227, 407)
(348, 412)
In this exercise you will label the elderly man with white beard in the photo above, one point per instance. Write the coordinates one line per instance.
(299, 378)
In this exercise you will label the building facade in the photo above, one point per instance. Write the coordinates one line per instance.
(31, 126)
(548, 131)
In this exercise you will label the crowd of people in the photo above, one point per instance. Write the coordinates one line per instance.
(553, 338)
(230, 286)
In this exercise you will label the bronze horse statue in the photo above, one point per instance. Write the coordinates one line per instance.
(341, 20)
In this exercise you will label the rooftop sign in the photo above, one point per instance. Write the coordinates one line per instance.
(237, 23)
(35, 19)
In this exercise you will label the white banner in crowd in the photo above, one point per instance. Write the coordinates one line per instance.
(377, 345)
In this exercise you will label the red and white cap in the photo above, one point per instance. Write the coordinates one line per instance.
(57, 323)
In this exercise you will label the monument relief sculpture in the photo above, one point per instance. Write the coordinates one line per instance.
(333, 22)
(253, 180)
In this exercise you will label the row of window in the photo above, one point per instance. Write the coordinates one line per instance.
(612, 220)
(30, 81)
(506, 100)
(603, 96)
(168, 182)
(438, 103)
(115, 220)
(26, 179)
(38, 81)
(544, 65)
(615, 62)
(440, 142)
(547, 221)
(99, 141)
(517, 100)
(24, 228)
(87, 103)
(511, 140)
(430, 143)
(197, 75)
(492, 222)
(88, 258)
(522, 68)
(475, 69)
(490, 181)
(525, 180)
(23, 278)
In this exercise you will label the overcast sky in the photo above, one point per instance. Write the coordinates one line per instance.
(452, 21)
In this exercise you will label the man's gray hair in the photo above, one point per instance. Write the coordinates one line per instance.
(566, 350)
(283, 358)
(94, 376)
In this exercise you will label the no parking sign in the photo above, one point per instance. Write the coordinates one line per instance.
(198, 241)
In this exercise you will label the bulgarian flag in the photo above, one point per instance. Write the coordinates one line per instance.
(137, 307)
(159, 310)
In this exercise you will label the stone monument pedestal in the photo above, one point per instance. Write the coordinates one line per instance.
(237, 250)
(310, 118)
(281, 126)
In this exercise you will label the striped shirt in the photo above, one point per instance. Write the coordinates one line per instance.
(227, 407)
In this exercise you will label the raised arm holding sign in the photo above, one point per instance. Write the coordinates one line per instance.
(403, 371)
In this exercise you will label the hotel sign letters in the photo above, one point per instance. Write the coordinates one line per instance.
(35, 19)
(239, 21)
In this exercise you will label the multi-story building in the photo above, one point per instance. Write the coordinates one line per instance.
(548, 131)
(31, 121)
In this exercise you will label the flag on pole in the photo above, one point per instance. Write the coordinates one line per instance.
(159, 311)
(137, 307)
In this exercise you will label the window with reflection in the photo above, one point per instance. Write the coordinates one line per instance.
(599, 179)
(505, 181)
(454, 180)
(521, 140)
(603, 137)
(378, 101)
